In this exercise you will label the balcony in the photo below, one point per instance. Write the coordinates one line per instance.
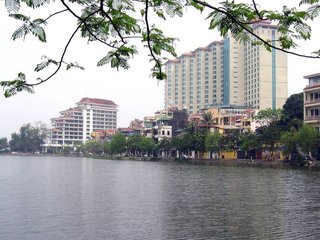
(312, 85)
(312, 101)
(312, 118)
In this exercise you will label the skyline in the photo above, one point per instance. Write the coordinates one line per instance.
(133, 90)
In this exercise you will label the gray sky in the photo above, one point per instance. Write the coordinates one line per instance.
(136, 93)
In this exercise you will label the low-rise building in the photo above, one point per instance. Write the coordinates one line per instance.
(228, 117)
(165, 123)
(103, 134)
(311, 96)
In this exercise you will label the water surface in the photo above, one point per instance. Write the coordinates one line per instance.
(78, 198)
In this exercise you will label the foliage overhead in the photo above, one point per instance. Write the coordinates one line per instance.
(117, 25)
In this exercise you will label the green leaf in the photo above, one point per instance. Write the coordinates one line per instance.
(304, 30)
(45, 64)
(21, 32)
(74, 65)
(12, 5)
(20, 17)
(119, 58)
(38, 32)
(13, 87)
(308, 2)
(36, 3)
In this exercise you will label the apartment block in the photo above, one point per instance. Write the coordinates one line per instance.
(311, 95)
(229, 72)
(75, 125)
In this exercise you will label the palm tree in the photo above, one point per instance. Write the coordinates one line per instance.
(207, 119)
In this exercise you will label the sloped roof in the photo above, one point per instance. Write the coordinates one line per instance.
(71, 110)
(97, 101)
(312, 76)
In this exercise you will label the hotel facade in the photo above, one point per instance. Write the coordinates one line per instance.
(227, 72)
(75, 125)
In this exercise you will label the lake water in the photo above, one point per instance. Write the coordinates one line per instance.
(77, 198)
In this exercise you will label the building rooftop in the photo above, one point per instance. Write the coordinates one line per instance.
(229, 106)
(192, 53)
(312, 76)
(96, 101)
(71, 110)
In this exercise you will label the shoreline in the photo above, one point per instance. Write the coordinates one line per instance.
(314, 165)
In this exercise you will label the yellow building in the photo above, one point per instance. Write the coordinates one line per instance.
(232, 117)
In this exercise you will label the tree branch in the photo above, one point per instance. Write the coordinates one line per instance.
(242, 25)
(158, 63)
(256, 9)
(51, 15)
(111, 21)
(65, 48)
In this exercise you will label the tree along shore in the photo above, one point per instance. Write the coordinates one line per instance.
(310, 165)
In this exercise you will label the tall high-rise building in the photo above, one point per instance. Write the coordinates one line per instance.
(229, 72)
(75, 125)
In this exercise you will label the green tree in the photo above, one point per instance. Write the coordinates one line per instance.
(266, 117)
(94, 147)
(165, 145)
(268, 136)
(231, 139)
(28, 139)
(134, 145)
(182, 143)
(116, 25)
(290, 140)
(293, 111)
(147, 146)
(106, 147)
(307, 138)
(207, 119)
(118, 144)
(193, 138)
(3, 144)
(249, 142)
(293, 107)
(212, 143)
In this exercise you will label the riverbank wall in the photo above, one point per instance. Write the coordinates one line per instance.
(314, 165)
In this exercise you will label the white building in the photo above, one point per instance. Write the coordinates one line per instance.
(228, 72)
(75, 125)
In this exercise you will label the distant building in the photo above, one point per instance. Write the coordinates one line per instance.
(103, 134)
(232, 117)
(75, 125)
(228, 72)
(128, 132)
(311, 96)
(165, 123)
(136, 124)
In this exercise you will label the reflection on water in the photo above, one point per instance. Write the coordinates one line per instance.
(74, 198)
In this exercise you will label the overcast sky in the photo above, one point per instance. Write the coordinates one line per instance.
(133, 90)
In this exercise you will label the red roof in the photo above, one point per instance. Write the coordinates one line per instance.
(312, 76)
(106, 130)
(311, 86)
(71, 110)
(126, 129)
(97, 101)
(188, 54)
